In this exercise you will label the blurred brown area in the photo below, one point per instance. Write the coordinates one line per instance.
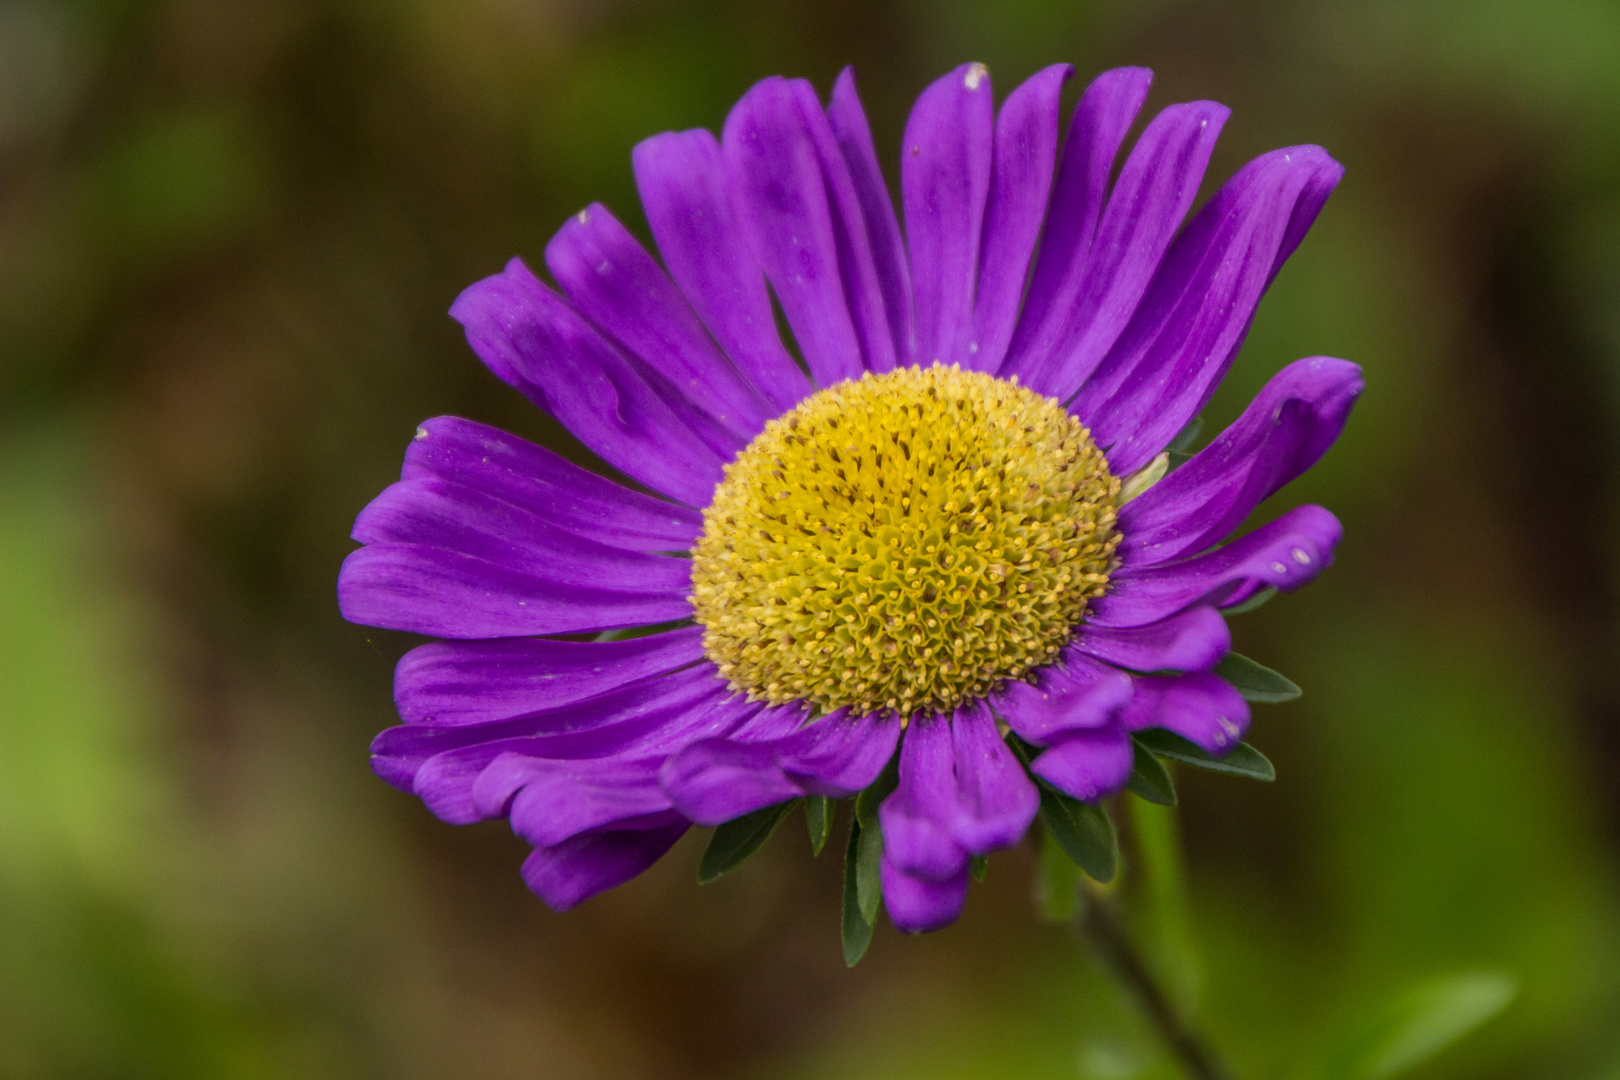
(229, 233)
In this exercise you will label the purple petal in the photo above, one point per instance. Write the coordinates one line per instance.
(917, 819)
(1201, 708)
(944, 179)
(838, 755)
(996, 800)
(1075, 693)
(454, 683)
(1099, 297)
(1287, 427)
(798, 209)
(1175, 351)
(917, 905)
(550, 801)
(511, 469)
(683, 189)
(1021, 181)
(854, 136)
(1192, 640)
(617, 285)
(440, 593)
(1089, 765)
(1096, 132)
(578, 869)
(1284, 554)
(961, 793)
(532, 339)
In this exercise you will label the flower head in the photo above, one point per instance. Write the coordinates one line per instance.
(953, 519)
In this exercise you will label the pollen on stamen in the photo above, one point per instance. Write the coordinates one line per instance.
(902, 542)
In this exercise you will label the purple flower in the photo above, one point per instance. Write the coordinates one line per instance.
(951, 518)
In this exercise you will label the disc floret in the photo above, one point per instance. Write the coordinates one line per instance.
(902, 542)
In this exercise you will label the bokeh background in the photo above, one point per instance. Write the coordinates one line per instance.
(229, 232)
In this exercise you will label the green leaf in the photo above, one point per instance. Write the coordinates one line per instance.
(868, 801)
(857, 929)
(1257, 600)
(979, 867)
(1057, 889)
(1083, 831)
(818, 817)
(1413, 1028)
(735, 842)
(1149, 778)
(1188, 435)
(868, 863)
(1241, 760)
(628, 632)
(1255, 682)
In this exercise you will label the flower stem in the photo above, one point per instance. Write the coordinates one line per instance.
(1100, 923)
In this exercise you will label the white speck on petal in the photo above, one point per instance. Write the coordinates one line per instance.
(1301, 557)
(585, 215)
(975, 75)
(1228, 726)
(421, 433)
(1279, 567)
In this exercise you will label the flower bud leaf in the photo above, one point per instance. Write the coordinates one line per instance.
(1256, 682)
(1149, 778)
(818, 817)
(979, 867)
(857, 931)
(868, 864)
(735, 842)
(1241, 760)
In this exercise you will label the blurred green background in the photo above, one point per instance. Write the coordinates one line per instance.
(229, 231)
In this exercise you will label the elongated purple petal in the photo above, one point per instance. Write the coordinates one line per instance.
(961, 793)
(1202, 708)
(945, 163)
(1154, 192)
(1283, 432)
(1020, 183)
(799, 211)
(579, 868)
(532, 339)
(916, 904)
(838, 755)
(1192, 640)
(1089, 765)
(682, 186)
(537, 480)
(614, 282)
(1169, 360)
(1284, 554)
(1096, 132)
(441, 593)
(854, 136)
(549, 801)
(1075, 693)
(454, 683)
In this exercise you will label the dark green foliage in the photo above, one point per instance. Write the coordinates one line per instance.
(735, 842)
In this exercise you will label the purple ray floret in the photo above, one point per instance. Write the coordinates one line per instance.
(1013, 251)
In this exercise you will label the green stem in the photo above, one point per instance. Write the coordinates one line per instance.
(1100, 923)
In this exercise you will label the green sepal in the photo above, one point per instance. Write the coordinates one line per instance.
(1083, 830)
(1188, 435)
(818, 817)
(1257, 600)
(735, 842)
(868, 879)
(868, 801)
(1241, 760)
(1057, 888)
(979, 867)
(1149, 778)
(856, 928)
(629, 632)
(1256, 682)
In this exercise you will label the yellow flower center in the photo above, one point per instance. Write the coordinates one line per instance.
(902, 542)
